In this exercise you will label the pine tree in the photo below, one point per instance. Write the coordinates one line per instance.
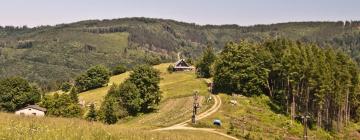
(204, 66)
(74, 95)
(108, 115)
(91, 115)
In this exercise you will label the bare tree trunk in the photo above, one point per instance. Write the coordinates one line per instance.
(293, 106)
(347, 108)
(268, 87)
(288, 96)
(319, 115)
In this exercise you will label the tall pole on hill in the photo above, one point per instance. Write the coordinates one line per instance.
(195, 106)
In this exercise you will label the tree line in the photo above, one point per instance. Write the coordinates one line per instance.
(302, 79)
(140, 93)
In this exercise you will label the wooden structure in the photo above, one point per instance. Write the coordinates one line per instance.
(31, 110)
(196, 105)
(181, 65)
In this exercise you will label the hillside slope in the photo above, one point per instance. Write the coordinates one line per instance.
(30, 128)
(50, 55)
(253, 118)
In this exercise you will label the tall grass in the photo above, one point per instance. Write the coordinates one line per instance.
(14, 127)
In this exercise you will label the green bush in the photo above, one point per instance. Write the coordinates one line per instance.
(16, 93)
(66, 86)
(61, 106)
(94, 77)
(119, 70)
(170, 68)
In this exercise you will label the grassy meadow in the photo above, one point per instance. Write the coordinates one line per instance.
(253, 118)
(174, 85)
(175, 107)
(29, 128)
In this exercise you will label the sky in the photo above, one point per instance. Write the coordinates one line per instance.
(242, 12)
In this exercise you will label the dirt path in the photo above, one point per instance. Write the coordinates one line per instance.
(212, 110)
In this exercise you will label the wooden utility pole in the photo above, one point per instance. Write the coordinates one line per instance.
(195, 106)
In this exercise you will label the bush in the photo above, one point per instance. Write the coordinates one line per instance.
(107, 111)
(95, 77)
(66, 86)
(61, 106)
(147, 80)
(16, 93)
(91, 114)
(119, 70)
(170, 68)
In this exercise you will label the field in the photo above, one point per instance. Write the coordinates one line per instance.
(174, 85)
(96, 96)
(30, 128)
(253, 118)
(177, 89)
(176, 106)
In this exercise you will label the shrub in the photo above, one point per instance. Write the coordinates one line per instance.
(66, 86)
(119, 70)
(16, 93)
(170, 68)
(94, 77)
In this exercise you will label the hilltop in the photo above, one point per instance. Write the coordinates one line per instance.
(50, 55)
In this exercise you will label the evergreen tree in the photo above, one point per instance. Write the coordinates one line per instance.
(301, 78)
(91, 114)
(66, 86)
(108, 115)
(204, 66)
(74, 95)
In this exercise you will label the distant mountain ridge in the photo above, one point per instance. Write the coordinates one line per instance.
(49, 55)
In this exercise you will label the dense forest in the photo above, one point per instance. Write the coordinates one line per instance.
(302, 79)
(51, 55)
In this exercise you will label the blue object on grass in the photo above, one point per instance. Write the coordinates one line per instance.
(217, 122)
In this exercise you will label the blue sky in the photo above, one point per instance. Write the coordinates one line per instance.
(241, 12)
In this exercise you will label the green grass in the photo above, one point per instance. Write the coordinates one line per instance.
(170, 112)
(174, 85)
(175, 105)
(97, 95)
(46, 128)
(252, 117)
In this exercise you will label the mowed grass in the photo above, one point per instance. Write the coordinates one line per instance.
(170, 112)
(174, 85)
(47, 128)
(253, 118)
(176, 105)
(179, 84)
(97, 95)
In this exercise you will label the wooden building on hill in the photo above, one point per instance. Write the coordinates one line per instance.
(181, 65)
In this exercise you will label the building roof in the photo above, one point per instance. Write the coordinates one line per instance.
(35, 107)
(182, 64)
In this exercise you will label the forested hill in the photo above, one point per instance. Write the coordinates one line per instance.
(49, 55)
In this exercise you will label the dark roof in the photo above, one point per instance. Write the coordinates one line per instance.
(35, 107)
(182, 64)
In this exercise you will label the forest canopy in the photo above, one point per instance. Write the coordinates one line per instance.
(300, 78)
